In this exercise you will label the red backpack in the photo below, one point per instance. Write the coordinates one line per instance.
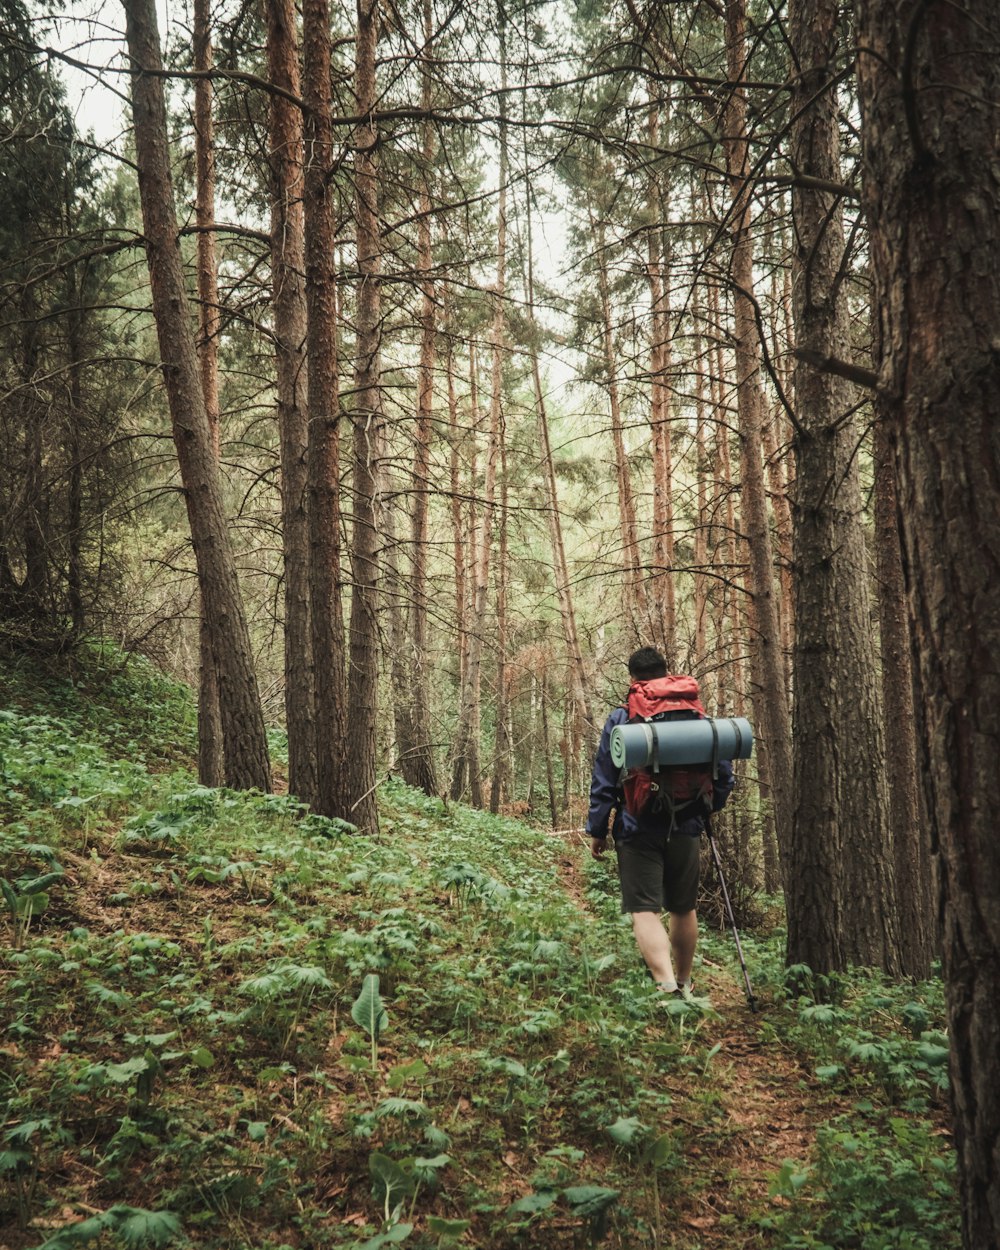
(675, 792)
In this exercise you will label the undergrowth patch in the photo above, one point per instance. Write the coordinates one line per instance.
(230, 1023)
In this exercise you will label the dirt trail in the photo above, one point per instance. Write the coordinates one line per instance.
(753, 1107)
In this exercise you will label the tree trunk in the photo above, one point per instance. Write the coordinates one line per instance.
(456, 439)
(369, 422)
(579, 682)
(502, 737)
(325, 607)
(840, 893)
(419, 770)
(661, 586)
(637, 612)
(466, 752)
(771, 705)
(244, 738)
(290, 336)
(918, 937)
(929, 88)
(210, 762)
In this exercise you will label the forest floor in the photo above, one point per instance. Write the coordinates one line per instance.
(194, 1052)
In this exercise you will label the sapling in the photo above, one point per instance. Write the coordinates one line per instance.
(369, 1011)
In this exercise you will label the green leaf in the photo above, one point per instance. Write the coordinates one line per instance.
(402, 1107)
(10, 898)
(587, 1200)
(42, 883)
(625, 1129)
(426, 1170)
(202, 1057)
(436, 1137)
(438, 1226)
(124, 1073)
(661, 1151)
(369, 1010)
(139, 1229)
(257, 1130)
(531, 1204)
(389, 1181)
(934, 1056)
(828, 1071)
(405, 1072)
(396, 1234)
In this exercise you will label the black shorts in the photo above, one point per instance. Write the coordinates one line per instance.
(658, 873)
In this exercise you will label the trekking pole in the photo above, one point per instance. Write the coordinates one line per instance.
(729, 908)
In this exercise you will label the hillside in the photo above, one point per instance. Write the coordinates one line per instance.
(194, 1049)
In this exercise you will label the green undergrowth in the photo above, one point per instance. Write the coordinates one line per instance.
(230, 1023)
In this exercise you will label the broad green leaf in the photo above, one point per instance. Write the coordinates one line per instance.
(438, 1226)
(42, 883)
(257, 1130)
(369, 1010)
(389, 1181)
(141, 1229)
(531, 1204)
(396, 1234)
(402, 1107)
(661, 1151)
(828, 1071)
(202, 1057)
(405, 1072)
(10, 898)
(123, 1073)
(625, 1129)
(934, 1056)
(436, 1137)
(589, 1200)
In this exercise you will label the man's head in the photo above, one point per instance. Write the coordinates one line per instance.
(646, 663)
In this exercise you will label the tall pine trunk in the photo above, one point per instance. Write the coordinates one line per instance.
(839, 890)
(419, 766)
(368, 422)
(210, 761)
(290, 333)
(244, 739)
(770, 702)
(929, 90)
(325, 607)
(637, 612)
(918, 936)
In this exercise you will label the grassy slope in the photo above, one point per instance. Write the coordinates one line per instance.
(178, 1029)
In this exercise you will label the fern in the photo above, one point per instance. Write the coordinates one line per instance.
(138, 1229)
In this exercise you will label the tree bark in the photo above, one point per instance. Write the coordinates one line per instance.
(840, 892)
(918, 936)
(929, 89)
(419, 767)
(661, 586)
(637, 612)
(771, 704)
(244, 737)
(325, 607)
(290, 335)
(210, 762)
(368, 422)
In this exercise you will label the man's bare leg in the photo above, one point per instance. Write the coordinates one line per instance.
(654, 946)
(683, 940)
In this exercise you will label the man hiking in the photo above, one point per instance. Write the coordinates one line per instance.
(658, 846)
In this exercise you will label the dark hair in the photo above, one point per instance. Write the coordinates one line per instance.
(647, 663)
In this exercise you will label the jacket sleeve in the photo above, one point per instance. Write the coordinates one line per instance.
(723, 785)
(604, 795)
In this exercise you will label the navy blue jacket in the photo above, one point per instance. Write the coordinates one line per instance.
(606, 795)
